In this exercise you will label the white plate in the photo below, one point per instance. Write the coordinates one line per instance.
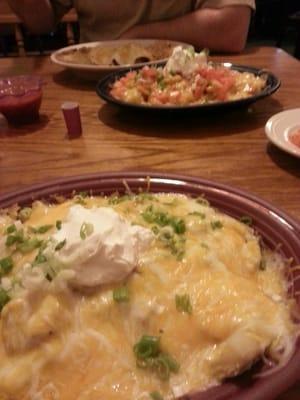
(94, 71)
(281, 126)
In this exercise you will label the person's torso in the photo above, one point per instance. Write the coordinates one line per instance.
(102, 19)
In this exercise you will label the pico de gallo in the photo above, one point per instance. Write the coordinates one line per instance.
(187, 78)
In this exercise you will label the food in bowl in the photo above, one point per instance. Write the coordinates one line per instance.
(140, 296)
(117, 54)
(20, 98)
(187, 78)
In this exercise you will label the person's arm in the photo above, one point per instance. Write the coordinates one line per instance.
(37, 15)
(223, 29)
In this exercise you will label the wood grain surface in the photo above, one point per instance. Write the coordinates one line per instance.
(228, 147)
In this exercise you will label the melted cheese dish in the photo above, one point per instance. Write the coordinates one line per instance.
(134, 297)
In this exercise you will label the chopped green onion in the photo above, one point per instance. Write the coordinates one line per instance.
(41, 229)
(156, 396)
(163, 219)
(17, 237)
(86, 230)
(161, 82)
(149, 356)
(25, 214)
(79, 200)
(262, 264)
(175, 243)
(148, 346)
(143, 196)
(121, 294)
(115, 199)
(216, 225)
(198, 214)
(178, 225)
(11, 229)
(29, 245)
(83, 194)
(60, 245)
(245, 219)
(58, 225)
(4, 298)
(171, 362)
(6, 265)
(39, 259)
(155, 230)
(202, 201)
(161, 367)
(183, 303)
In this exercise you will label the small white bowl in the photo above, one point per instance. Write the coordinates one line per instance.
(281, 126)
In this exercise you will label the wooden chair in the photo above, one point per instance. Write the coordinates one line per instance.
(295, 19)
(10, 22)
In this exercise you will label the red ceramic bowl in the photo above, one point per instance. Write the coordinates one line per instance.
(20, 98)
(273, 225)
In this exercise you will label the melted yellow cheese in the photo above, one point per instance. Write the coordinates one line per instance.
(61, 343)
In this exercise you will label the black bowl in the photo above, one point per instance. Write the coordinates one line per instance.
(273, 83)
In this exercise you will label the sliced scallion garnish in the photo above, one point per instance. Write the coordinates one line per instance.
(6, 265)
(41, 229)
(4, 298)
(156, 396)
(11, 229)
(60, 245)
(148, 346)
(58, 225)
(216, 224)
(183, 303)
(29, 245)
(245, 219)
(121, 294)
(25, 213)
(86, 230)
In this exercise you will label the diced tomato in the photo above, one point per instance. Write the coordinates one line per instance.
(149, 73)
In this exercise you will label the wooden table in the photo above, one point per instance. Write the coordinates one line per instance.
(230, 148)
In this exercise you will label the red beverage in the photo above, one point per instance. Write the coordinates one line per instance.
(20, 98)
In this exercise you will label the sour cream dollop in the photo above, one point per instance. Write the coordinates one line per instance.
(185, 60)
(101, 246)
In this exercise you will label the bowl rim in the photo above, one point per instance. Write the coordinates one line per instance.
(36, 79)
